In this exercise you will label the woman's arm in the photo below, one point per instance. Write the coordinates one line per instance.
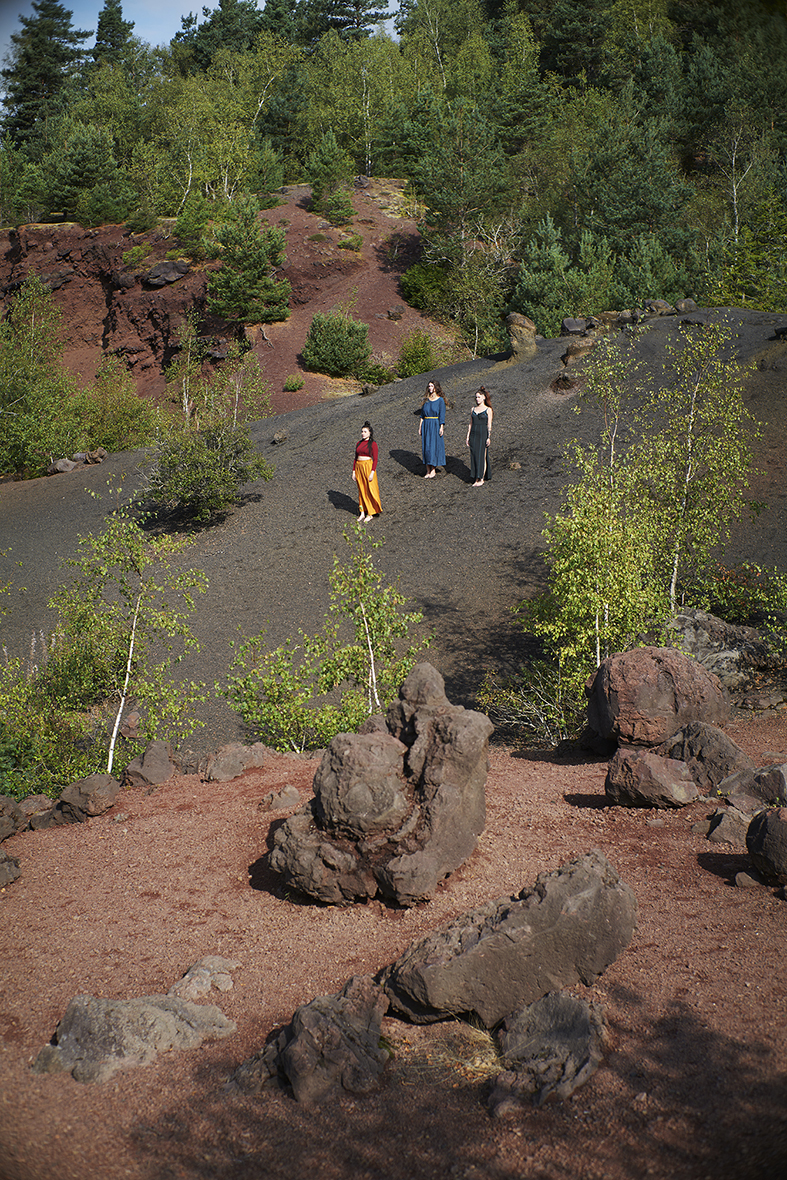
(490, 416)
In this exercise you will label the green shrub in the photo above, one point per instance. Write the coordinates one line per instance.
(425, 286)
(308, 690)
(293, 383)
(337, 207)
(137, 254)
(537, 707)
(200, 474)
(191, 227)
(376, 374)
(354, 242)
(58, 714)
(417, 354)
(747, 594)
(114, 416)
(336, 344)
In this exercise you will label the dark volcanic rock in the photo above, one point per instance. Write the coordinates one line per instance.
(643, 778)
(331, 1045)
(570, 926)
(643, 696)
(89, 797)
(396, 808)
(766, 841)
(707, 751)
(550, 1048)
(97, 1036)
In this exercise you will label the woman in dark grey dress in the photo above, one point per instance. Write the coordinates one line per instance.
(479, 434)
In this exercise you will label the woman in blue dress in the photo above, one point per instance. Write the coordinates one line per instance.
(479, 435)
(431, 429)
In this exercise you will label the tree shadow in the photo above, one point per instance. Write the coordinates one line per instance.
(398, 252)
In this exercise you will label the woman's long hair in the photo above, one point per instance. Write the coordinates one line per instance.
(368, 426)
(485, 391)
(437, 388)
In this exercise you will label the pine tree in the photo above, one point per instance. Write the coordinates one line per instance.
(244, 289)
(112, 32)
(352, 19)
(233, 25)
(43, 55)
(279, 18)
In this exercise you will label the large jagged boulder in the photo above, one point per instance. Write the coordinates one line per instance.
(331, 1045)
(99, 1036)
(754, 788)
(709, 753)
(766, 841)
(493, 960)
(395, 809)
(643, 778)
(644, 696)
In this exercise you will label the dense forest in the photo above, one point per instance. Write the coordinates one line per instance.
(560, 157)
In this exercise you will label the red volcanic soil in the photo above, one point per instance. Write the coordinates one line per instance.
(108, 305)
(692, 1086)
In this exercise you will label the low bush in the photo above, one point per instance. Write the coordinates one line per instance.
(303, 693)
(293, 383)
(537, 707)
(199, 474)
(336, 344)
(59, 711)
(417, 354)
(425, 286)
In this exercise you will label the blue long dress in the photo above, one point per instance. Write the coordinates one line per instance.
(432, 442)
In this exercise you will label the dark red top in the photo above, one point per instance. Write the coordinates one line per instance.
(364, 449)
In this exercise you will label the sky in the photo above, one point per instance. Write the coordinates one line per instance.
(155, 21)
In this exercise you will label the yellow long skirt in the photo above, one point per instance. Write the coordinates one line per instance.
(368, 489)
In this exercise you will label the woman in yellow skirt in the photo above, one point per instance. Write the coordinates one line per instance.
(365, 475)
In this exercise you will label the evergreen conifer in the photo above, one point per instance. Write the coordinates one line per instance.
(43, 55)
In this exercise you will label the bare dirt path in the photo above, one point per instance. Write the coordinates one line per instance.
(693, 1086)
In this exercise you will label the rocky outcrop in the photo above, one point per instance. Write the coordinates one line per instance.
(709, 753)
(331, 1045)
(752, 789)
(233, 760)
(644, 696)
(396, 809)
(97, 1036)
(151, 768)
(736, 654)
(493, 960)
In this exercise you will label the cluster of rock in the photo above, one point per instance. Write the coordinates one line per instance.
(396, 807)
(77, 461)
(504, 964)
(663, 709)
(97, 1036)
(95, 795)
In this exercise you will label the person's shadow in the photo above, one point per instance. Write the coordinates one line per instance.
(409, 460)
(342, 502)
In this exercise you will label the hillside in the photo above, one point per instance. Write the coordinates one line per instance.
(463, 555)
(111, 303)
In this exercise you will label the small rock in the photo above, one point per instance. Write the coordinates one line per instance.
(288, 796)
(750, 880)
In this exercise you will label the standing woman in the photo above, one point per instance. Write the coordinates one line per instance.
(479, 433)
(365, 475)
(431, 428)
